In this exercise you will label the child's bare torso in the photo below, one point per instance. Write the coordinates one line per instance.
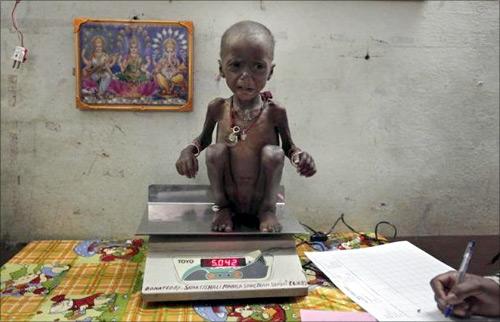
(245, 156)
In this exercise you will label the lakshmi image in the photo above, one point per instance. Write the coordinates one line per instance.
(133, 67)
(98, 66)
(133, 80)
(169, 71)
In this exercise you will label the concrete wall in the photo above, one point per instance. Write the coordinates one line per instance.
(409, 135)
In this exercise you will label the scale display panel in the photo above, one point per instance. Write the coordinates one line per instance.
(251, 266)
(223, 262)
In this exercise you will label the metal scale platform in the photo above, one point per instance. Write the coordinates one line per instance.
(188, 261)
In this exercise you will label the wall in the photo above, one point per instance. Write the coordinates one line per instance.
(409, 135)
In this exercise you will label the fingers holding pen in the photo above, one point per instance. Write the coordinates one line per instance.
(442, 283)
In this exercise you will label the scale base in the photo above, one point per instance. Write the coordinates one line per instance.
(166, 280)
(178, 221)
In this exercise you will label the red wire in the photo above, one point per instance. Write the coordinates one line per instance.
(19, 32)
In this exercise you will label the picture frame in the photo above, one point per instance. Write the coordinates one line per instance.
(144, 65)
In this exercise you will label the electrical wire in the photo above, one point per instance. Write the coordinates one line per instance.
(386, 223)
(336, 222)
(308, 228)
(310, 266)
(14, 24)
(342, 219)
(302, 241)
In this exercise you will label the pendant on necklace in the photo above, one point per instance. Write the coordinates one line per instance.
(233, 136)
(243, 135)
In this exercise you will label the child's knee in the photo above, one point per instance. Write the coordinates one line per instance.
(216, 153)
(272, 156)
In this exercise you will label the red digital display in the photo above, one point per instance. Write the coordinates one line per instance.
(223, 262)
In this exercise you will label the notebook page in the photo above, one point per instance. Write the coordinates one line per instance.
(389, 281)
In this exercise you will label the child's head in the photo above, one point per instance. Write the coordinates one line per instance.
(246, 58)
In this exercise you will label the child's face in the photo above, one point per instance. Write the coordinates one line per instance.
(247, 65)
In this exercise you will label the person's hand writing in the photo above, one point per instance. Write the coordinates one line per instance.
(475, 295)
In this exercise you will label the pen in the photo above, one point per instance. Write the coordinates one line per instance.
(461, 271)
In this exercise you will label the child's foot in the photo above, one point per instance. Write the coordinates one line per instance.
(269, 222)
(223, 220)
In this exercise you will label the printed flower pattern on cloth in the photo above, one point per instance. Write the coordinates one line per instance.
(18, 280)
(100, 280)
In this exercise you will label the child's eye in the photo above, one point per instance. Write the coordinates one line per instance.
(259, 68)
(235, 65)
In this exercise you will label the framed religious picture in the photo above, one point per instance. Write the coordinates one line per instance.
(134, 64)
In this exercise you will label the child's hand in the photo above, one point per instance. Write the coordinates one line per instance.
(475, 295)
(187, 164)
(306, 166)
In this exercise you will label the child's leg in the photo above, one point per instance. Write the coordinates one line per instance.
(272, 161)
(217, 160)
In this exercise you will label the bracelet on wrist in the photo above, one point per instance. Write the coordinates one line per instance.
(196, 145)
(295, 157)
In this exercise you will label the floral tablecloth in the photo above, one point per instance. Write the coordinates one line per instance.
(100, 280)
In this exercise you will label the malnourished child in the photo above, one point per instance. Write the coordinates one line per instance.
(245, 164)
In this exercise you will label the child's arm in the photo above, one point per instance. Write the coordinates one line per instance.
(187, 164)
(300, 159)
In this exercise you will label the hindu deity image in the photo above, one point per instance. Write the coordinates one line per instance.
(169, 71)
(134, 64)
(132, 80)
(97, 67)
(133, 67)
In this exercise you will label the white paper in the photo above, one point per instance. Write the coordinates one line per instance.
(389, 281)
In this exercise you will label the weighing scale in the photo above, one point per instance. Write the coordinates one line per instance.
(188, 261)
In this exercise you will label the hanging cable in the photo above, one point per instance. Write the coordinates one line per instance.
(14, 24)
(386, 223)
(20, 52)
(308, 228)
